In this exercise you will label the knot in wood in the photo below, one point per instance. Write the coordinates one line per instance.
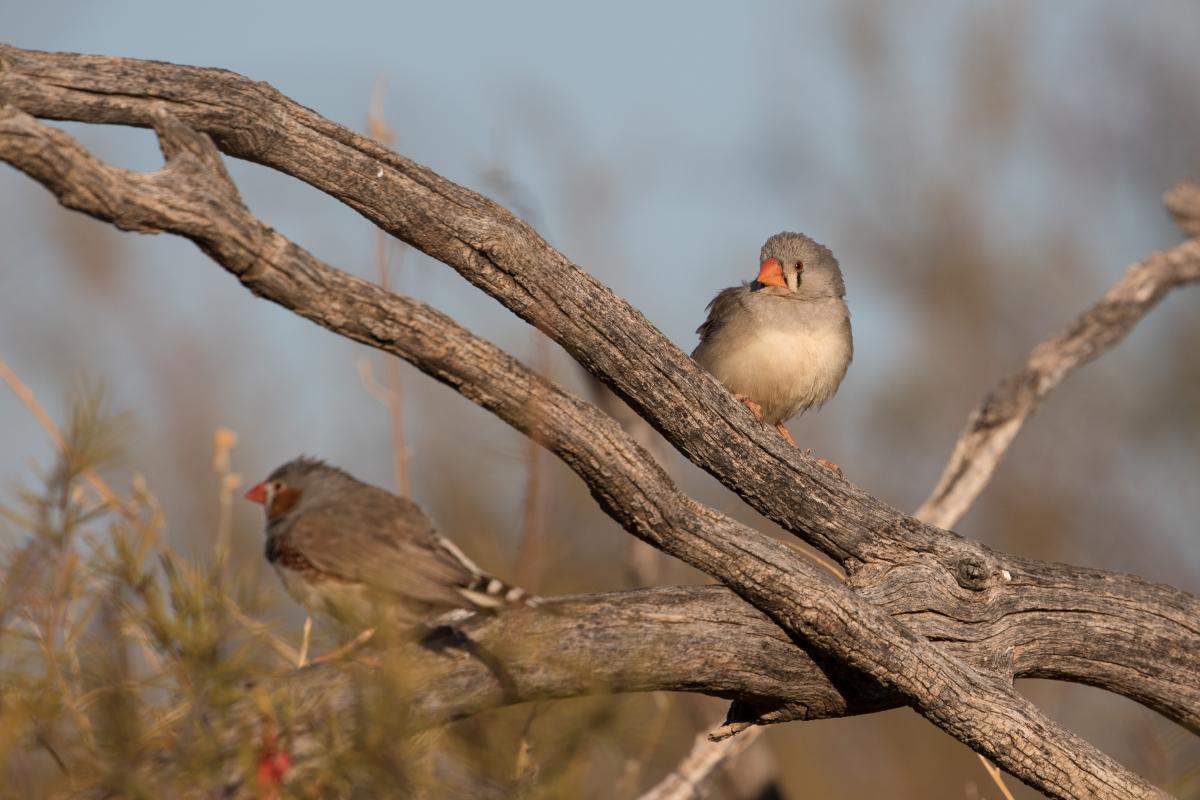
(971, 573)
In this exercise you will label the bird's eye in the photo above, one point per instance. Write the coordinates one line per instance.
(799, 266)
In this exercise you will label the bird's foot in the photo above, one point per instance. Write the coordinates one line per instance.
(785, 433)
(829, 465)
(757, 411)
(826, 463)
(448, 639)
(754, 407)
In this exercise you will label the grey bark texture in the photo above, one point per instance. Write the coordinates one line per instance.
(925, 618)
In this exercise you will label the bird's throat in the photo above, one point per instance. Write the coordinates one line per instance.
(282, 502)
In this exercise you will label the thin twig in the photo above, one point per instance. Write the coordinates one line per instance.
(395, 384)
(532, 546)
(49, 748)
(996, 775)
(333, 655)
(1183, 201)
(394, 395)
(224, 440)
(282, 648)
(655, 728)
(26, 396)
(304, 642)
(687, 780)
(993, 425)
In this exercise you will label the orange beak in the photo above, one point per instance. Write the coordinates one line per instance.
(770, 273)
(257, 493)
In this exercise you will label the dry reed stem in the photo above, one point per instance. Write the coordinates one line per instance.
(700, 765)
(224, 440)
(285, 651)
(302, 660)
(996, 775)
(334, 655)
(25, 395)
(393, 395)
(531, 549)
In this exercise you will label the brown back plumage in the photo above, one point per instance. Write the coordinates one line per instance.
(345, 542)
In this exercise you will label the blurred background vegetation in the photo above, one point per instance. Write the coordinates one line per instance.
(983, 171)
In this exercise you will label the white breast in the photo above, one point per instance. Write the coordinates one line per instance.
(336, 598)
(785, 370)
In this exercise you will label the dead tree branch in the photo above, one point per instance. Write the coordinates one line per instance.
(704, 761)
(993, 425)
(886, 551)
(681, 639)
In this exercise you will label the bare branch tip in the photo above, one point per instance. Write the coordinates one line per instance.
(1183, 202)
(176, 138)
(728, 731)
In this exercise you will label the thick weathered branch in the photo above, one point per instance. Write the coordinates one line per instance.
(992, 427)
(816, 621)
(682, 639)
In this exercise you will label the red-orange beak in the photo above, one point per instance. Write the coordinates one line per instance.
(770, 273)
(257, 493)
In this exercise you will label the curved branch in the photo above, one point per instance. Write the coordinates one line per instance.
(993, 425)
(833, 620)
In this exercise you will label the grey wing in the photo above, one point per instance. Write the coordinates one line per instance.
(849, 335)
(390, 546)
(722, 307)
(725, 307)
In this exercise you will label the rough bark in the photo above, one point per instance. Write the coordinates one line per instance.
(718, 645)
(941, 585)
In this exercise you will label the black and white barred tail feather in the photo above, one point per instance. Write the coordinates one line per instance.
(484, 591)
(492, 593)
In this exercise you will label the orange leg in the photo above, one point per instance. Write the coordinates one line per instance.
(824, 462)
(757, 411)
(786, 434)
(754, 407)
(829, 465)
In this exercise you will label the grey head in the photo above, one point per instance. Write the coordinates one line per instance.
(303, 471)
(792, 264)
(302, 483)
